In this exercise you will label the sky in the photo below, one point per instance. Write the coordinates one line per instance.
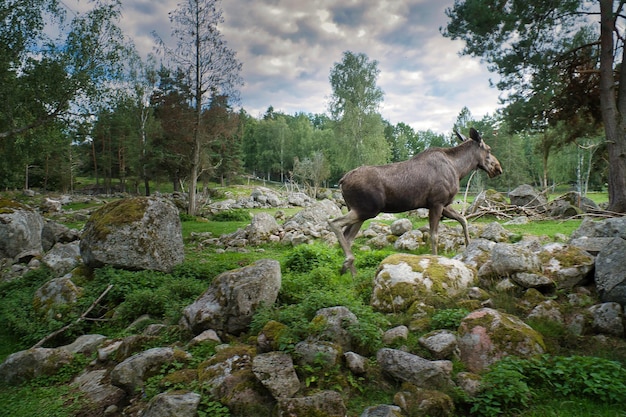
(288, 48)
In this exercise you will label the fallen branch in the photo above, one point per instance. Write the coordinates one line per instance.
(78, 320)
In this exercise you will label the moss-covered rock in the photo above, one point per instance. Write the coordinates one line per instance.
(487, 335)
(134, 233)
(403, 279)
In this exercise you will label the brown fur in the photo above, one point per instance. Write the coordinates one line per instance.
(428, 180)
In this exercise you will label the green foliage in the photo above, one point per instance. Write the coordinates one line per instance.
(232, 215)
(304, 258)
(16, 309)
(210, 408)
(512, 384)
(448, 318)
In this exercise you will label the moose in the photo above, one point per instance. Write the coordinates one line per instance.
(429, 180)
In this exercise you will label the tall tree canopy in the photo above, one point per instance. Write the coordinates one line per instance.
(558, 63)
(49, 64)
(210, 66)
(354, 106)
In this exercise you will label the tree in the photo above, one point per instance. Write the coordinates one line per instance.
(54, 72)
(551, 55)
(353, 105)
(211, 68)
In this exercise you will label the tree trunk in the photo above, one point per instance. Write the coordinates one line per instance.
(613, 122)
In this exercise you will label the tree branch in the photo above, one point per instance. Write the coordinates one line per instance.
(78, 320)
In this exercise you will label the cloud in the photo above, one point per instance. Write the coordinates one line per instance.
(288, 48)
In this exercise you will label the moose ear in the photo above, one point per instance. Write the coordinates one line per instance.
(460, 136)
(475, 135)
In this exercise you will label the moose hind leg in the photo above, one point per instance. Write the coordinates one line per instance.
(450, 213)
(349, 221)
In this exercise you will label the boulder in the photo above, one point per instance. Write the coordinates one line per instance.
(320, 404)
(25, 365)
(567, 265)
(324, 354)
(441, 343)
(406, 367)
(101, 395)
(261, 228)
(487, 335)
(400, 227)
(276, 372)
(383, 410)
(228, 377)
(179, 404)
(20, 231)
(410, 240)
(402, 279)
(55, 296)
(526, 196)
(416, 401)
(233, 297)
(336, 321)
(608, 318)
(134, 233)
(62, 258)
(610, 274)
(132, 373)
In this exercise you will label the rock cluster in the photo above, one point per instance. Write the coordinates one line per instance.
(257, 376)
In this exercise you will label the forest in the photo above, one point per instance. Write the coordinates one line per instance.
(85, 105)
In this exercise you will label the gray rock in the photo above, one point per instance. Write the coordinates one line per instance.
(395, 334)
(608, 318)
(338, 321)
(526, 196)
(403, 279)
(63, 257)
(567, 265)
(276, 372)
(610, 273)
(55, 295)
(531, 280)
(325, 354)
(383, 410)
(233, 297)
(508, 259)
(495, 232)
(20, 231)
(25, 365)
(323, 403)
(410, 240)
(441, 343)
(414, 369)
(477, 252)
(487, 335)
(356, 363)
(400, 227)
(85, 344)
(263, 226)
(132, 373)
(613, 227)
(135, 233)
(547, 310)
(177, 404)
(101, 394)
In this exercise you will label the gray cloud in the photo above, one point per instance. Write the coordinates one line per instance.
(288, 48)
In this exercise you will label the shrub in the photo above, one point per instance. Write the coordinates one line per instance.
(511, 384)
(233, 215)
(448, 318)
(304, 258)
